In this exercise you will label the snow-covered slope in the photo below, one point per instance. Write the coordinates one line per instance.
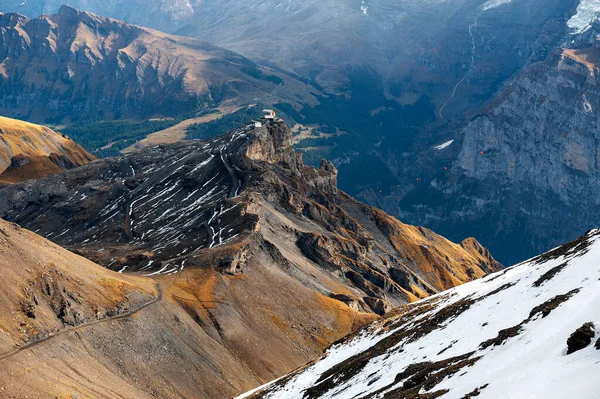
(507, 335)
(587, 12)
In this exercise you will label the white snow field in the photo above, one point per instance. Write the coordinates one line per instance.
(504, 336)
(588, 11)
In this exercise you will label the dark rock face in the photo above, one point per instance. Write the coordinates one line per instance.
(349, 300)
(524, 170)
(581, 338)
(401, 277)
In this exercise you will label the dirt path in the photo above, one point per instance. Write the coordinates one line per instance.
(80, 327)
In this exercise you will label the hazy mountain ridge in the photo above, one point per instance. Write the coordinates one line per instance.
(80, 65)
(413, 49)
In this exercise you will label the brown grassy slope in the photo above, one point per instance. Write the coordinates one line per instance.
(46, 288)
(29, 151)
(209, 334)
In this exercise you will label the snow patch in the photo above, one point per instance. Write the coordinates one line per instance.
(587, 106)
(445, 145)
(495, 4)
(587, 13)
(364, 8)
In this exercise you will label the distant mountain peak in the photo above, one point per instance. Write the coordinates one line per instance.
(68, 10)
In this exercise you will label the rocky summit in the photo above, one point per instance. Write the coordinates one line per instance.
(250, 249)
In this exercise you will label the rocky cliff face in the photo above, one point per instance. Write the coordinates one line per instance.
(524, 174)
(29, 151)
(264, 254)
(74, 65)
(543, 131)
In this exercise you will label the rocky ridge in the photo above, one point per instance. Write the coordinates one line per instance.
(485, 339)
(63, 60)
(157, 209)
(262, 261)
(402, 51)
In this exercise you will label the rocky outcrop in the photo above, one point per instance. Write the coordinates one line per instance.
(444, 262)
(273, 144)
(581, 338)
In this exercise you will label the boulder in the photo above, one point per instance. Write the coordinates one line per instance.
(581, 338)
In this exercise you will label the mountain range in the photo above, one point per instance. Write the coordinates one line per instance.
(248, 264)
(410, 48)
(85, 67)
(384, 83)
(174, 267)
